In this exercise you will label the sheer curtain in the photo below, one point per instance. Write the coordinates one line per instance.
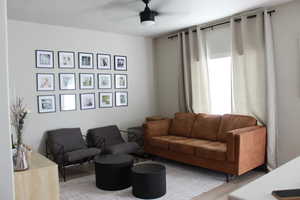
(193, 75)
(253, 76)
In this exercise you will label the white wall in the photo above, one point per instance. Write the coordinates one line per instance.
(6, 170)
(287, 45)
(287, 37)
(25, 38)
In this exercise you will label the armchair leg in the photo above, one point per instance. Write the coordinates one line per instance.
(64, 173)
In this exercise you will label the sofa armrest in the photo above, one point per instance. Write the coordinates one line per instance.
(156, 128)
(246, 144)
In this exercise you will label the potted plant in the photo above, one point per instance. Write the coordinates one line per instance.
(20, 155)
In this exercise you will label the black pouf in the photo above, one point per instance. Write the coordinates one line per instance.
(113, 172)
(149, 181)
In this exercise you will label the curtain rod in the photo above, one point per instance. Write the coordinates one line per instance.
(219, 24)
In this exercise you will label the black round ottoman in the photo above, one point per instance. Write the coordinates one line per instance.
(113, 172)
(149, 181)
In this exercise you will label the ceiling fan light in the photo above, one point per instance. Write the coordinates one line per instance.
(148, 23)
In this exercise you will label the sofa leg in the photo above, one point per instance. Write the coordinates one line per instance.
(229, 177)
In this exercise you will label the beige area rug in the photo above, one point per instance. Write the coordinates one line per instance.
(183, 183)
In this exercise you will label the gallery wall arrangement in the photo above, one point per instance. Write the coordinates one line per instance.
(109, 87)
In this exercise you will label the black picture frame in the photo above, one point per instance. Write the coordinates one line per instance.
(115, 80)
(111, 81)
(36, 59)
(115, 63)
(59, 61)
(37, 82)
(103, 54)
(38, 103)
(60, 104)
(116, 105)
(59, 80)
(80, 99)
(79, 61)
(112, 99)
(80, 86)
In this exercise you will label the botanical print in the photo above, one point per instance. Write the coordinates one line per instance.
(121, 98)
(67, 81)
(121, 81)
(104, 81)
(87, 101)
(44, 59)
(66, 59)
(86, 81)
(45, 82)
(103, 61)
(105, 99)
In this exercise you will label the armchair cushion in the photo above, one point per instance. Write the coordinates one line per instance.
(230, 122)
(123, 148)
(69, 139)
(81, 154)
(110, 134)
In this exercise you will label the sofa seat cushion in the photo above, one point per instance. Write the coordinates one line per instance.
(230, 122)
(81, 154)
(187, 146)
(206, 126)
(212, 150)
(123, 148)
(163, 141)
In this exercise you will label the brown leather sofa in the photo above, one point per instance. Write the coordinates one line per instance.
(233, 144)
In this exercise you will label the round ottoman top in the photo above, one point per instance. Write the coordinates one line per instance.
(149, 168)
(114, 160)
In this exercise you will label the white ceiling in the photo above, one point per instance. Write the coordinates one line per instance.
(121, 16)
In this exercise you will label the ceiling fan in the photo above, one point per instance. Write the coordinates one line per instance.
(147, 16)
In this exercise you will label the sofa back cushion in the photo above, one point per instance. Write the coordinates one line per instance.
(230, 122)
(182, 124)
(206, 126)
(68, 138)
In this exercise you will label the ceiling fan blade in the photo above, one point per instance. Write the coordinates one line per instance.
(156, 5)
(117, 4)
(163, 14)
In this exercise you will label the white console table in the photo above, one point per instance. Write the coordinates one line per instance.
(285, 177)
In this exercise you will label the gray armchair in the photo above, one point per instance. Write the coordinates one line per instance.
(110, 141)
(67, 147)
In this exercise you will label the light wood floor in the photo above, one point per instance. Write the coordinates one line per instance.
(219, 193)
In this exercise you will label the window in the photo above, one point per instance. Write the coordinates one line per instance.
(219, 72)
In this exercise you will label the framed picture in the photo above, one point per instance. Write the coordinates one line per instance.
(120, 63)
(85, 60)
(67, 102)
(121, 99)
(67, 81)
(121, 81)
(104, 81)
(44, 59)
(45, 82)
(103, 61)
(87, 101)
(66, 59)
(105, 99)
(86, 81)
(46, 104)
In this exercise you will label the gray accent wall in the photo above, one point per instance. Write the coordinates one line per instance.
(25, 38)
